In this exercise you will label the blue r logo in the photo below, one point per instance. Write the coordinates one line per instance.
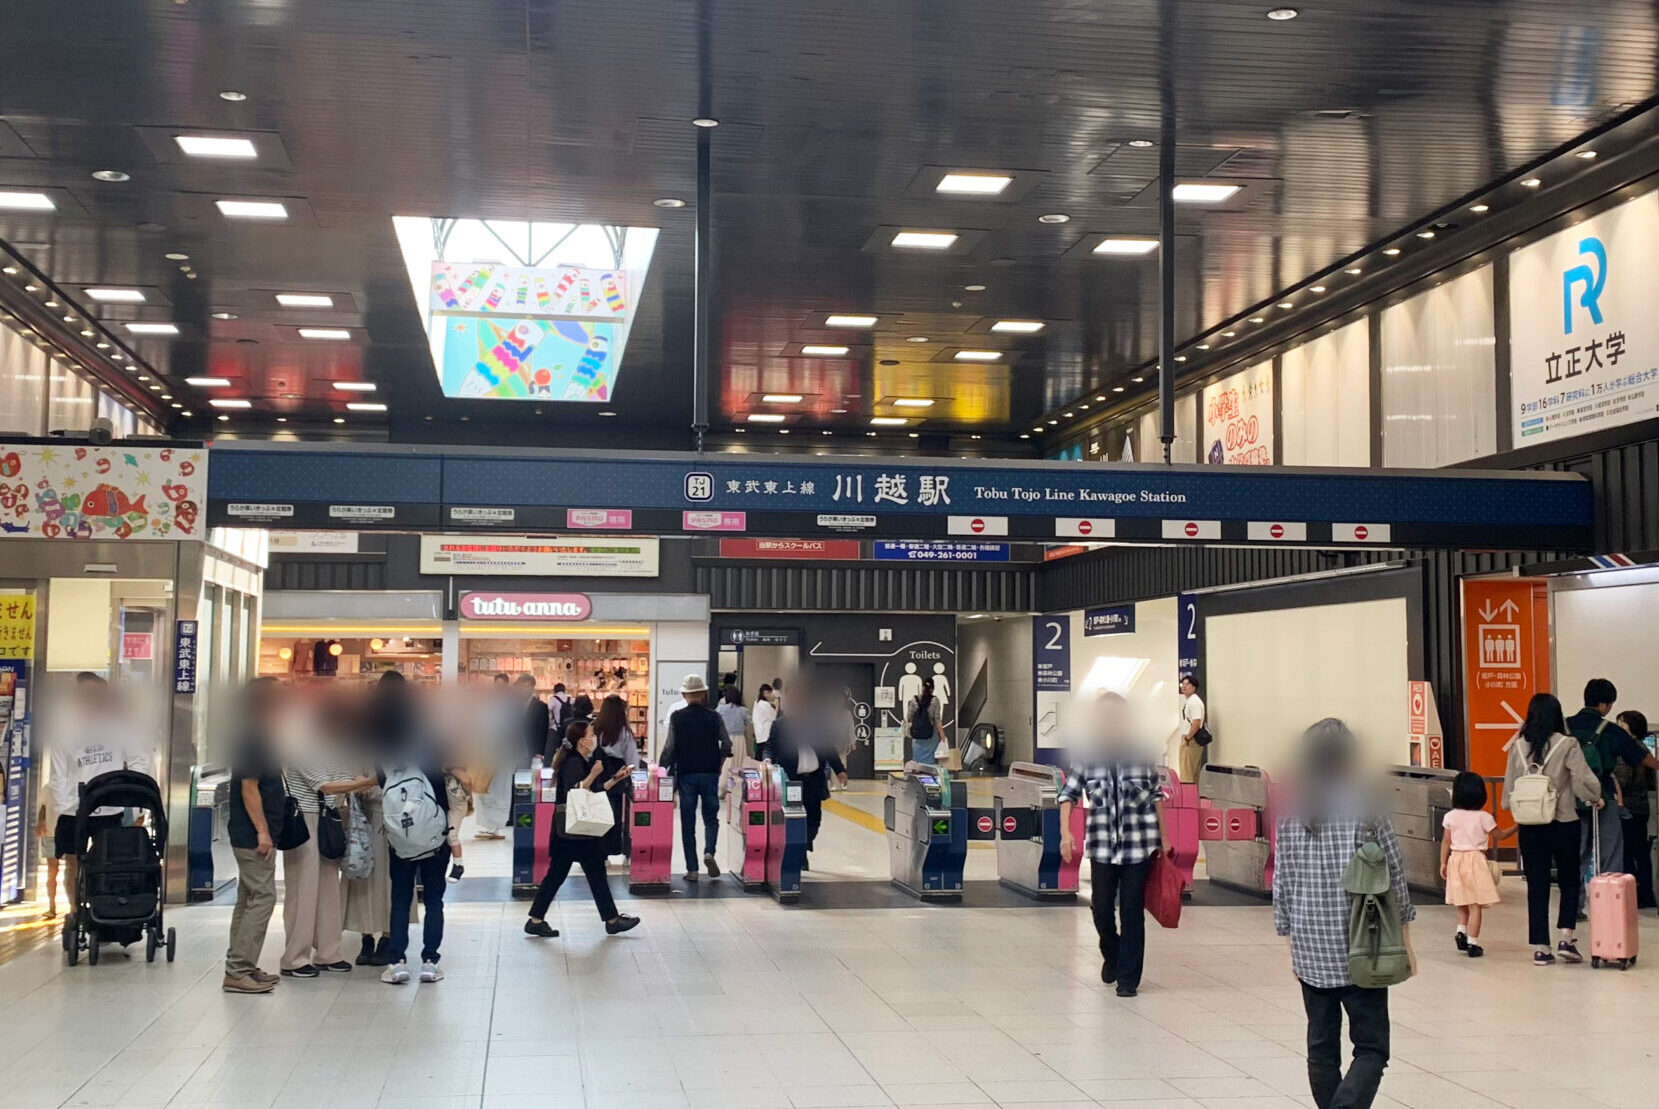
(1592, 278)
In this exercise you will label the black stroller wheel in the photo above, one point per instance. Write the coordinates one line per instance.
(172, 944)
(92, 950)
(66, 935)
(150, 945)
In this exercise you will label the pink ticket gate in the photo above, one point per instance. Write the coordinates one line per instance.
(651, 830)
(1181, 821)
(545, 793)
(1236, 821)
(747, 822)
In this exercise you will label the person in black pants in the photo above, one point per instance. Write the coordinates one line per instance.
(804, 744)
(577, 765)
(695, 753)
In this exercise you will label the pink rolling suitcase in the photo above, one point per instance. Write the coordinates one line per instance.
(1612, 912)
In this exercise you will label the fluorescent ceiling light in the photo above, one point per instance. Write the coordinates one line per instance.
(153, 328)
(1531, 183)
(365, 406)
(21, 201)
(850, 321)
(1019, 327)
(252, 209)
(1127, 247)
(230, 402)
(823, 351)
(336, 333)
(117, 296)
(974, 184)
(888, 421)
(304, 300)
(1196, 192)
(355, 386)
(782, 398)
(208, 382)
(979, 356)
(767, 417)
(925, 240)
(913, 402)
(215, 146)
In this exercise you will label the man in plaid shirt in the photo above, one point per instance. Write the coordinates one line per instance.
(1310, 908)
(1123, 833)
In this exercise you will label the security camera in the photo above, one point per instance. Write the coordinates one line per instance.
(101, 433)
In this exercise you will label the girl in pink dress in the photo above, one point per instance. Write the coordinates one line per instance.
(1470, 884)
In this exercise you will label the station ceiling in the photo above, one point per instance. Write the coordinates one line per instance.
(1339, 127)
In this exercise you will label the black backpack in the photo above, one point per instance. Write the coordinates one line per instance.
(921, 724)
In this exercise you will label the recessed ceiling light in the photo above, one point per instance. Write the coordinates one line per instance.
(888, 421)
(1282, 15)
(1426, 233)
(1082, 408)
(924, 240)
(1587, 155)
(117, 296)
(355, 386)
(155, 388)
(965, 288)
(1101, 397)
(1140, 144)
(1228, 334)
(705, 121)
(850, 321)
(208, 382)
(50, 303)
(839, 411)
(224, 315)
(1199, 192)
(1054, 217)
(1178, 358)
(820, 350)
(365, 406)
(1353, 271)
(1139, 380)
(1286, 304)
(176, 404)
(26, 202)
(917, 339)
(342, 419)
(87, 333)
(1203, 346)
(69, 318)
(1052, 423)
(871, 434)
(826, 431)
(1479, 208)
(114, 176)
(224, 419)
(305, 300)
(1117, 388)
(153, 328)
(1024, 435)
(913, 402)
(1392, 252)
(176, 257)
(116, 356)
(216, 146)
(334, 333)
(230, 402)
(1316, 289)
(1127, 247)
(252, 209)
(103, 345)
(1531, 183)
(233, 96)
(9, 271)
(974, 184)
(915, 435)
(669, 202)
(782, 398)
(143, 377)
(1256, 319)
(1067, 415)
(1019, 327)
(31, 288)
(979, 356)
(767, 417)
(609, 412)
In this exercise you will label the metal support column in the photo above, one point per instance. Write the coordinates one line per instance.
(1166, 228)
(702, 289)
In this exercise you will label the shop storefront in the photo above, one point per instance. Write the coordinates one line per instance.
(351, 638)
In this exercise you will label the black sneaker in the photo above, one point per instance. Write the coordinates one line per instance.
(691, 875)
(1127, 991)
(1463, 941)
(540, 928)
(365, 957)
(711, 866)
(1108, 973)
(340, 967)
(306, 971)
(456, 871)
(621, 924)
(1568, 950)
(1542, 959)
(1475, 950)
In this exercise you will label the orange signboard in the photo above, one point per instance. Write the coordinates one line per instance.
(1506, 659)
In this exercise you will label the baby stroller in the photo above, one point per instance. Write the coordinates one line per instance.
(118, 890)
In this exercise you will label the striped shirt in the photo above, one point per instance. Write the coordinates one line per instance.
(1122, 824)
(1310, 905)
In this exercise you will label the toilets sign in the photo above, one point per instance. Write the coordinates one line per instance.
(525, 606)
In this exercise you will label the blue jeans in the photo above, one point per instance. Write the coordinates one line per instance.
(924, 751)
(403, 873)
(695, 789)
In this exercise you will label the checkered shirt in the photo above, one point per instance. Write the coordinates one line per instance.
(1122, 801)
(1309, 903)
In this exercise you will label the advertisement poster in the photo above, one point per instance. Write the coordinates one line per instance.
(69, 491)
(1238, 418)
(1584, 339)
(1506, 659)
(553, 556)
(1051, 677)
(17, 626)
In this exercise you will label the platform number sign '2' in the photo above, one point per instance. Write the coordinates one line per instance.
(1189, 636)
(1050, 674)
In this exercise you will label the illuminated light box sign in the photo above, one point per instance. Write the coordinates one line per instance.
(525, 606)
(554, 556)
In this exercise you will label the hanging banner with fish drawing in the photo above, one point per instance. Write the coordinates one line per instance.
(75, 491)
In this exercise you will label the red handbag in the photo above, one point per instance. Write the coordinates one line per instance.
(1163, 891)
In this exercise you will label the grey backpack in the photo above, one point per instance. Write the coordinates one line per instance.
(359, 858)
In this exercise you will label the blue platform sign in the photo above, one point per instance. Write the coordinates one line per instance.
(184, 657)
(941, 552)
(1051, 653)
(1117, 620)
(1189, 636)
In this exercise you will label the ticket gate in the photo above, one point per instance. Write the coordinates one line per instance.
(650, 830)
(1418, 798)
(785, 837)
(747, 821)
(523, 832)
(1025, 819)
(1181, 825)
(927, 836)
(1236, 823)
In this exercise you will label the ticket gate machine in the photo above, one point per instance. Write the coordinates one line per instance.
(927, 835)
(1236, 820)
(650, 814)
(786, 836)
(1181, 825)
(1025, 819)
(747, 822)
(1418, 798)
(523, 832)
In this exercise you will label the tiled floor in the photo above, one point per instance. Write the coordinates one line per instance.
(738, 1003)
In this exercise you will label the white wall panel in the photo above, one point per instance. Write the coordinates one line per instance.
(1326, 394)
(1271, 674)
(1147, 448)
(22, 385)
(72, 402)
(1438, 375)
(1140, 666)
(1608, 632)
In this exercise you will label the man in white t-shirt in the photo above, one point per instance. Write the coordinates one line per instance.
(1192, 721)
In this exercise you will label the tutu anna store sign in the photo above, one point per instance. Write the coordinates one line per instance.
(525, 606)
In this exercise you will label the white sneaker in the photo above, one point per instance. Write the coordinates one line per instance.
(430, 973)
(396, 974)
